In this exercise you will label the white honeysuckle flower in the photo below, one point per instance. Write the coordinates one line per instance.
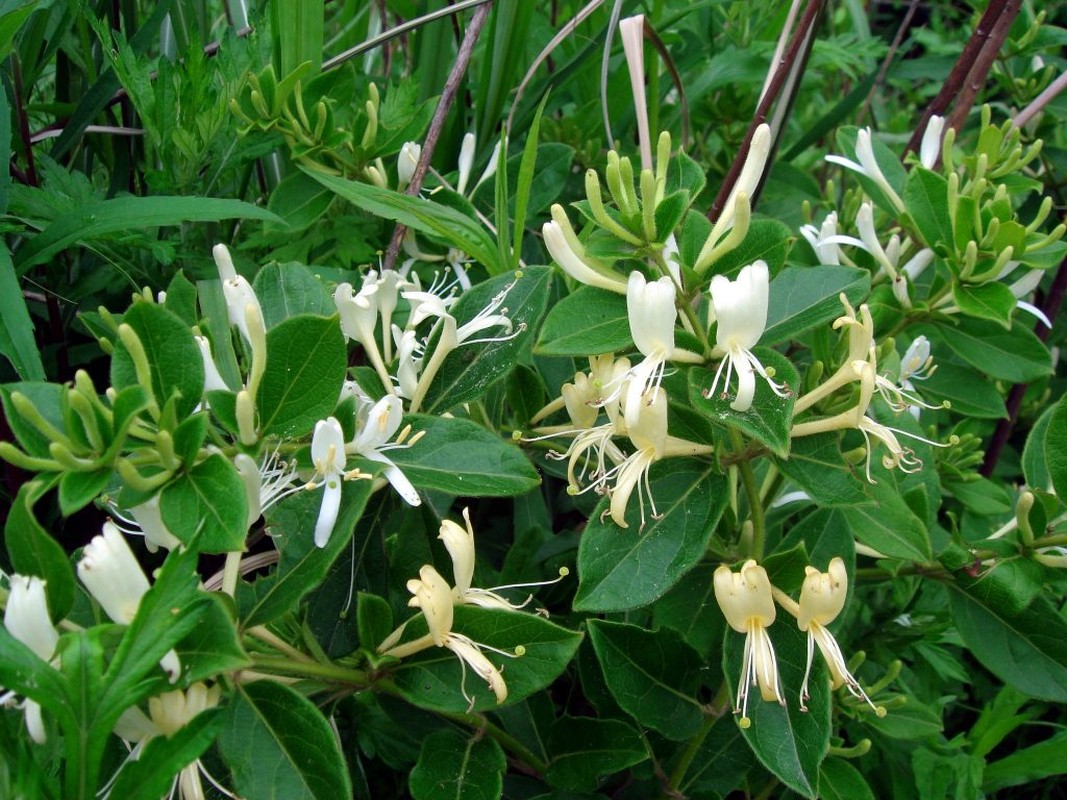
(242, 305)
(1023, 287)
(213, 381)
(632, 33)
(648, 433)
(568, 252)
(410, 152)
(149, 519)
(114, 578)
(167, 714)
(672, 257)
(917, 363)
(459, 541)
(747, 602)
(26, 618)
(869, 237)
(740, 308)
(409, 361)
(930, 149)
(359, 319)
(328, 456)
(490, 168)
(271, 480)
(466, 161)
(434, 597)
(868, 166)
(822, 241)
(822, 596)
(581, 400)
(380, 424)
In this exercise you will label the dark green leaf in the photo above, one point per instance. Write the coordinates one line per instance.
(286, 290)
(690, 609)
(620, 569)
(16, 327)
(652, 675)
(78, 489)
(969, 393)
(766, 240)
(992, 301)
(456, 766)
(584, 749)
(1042, 760)
(299, 200)
(1016, 355)
(208, 500)
(278, 744)
(306, 363)
(802, 298)
(926, 199)
(1056, 448)
(816, 465)
(889, 526)
(587, 322)
(34, 552)
(839, 780)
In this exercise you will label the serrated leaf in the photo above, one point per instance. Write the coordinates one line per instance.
(306, 363)
(652, 675)
(588, 322)
(460, 457)
(278, 744)
(620, 569)
(458, 767)
(769, 419)
(802, 298)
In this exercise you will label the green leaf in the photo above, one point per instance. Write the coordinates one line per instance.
(587, 322)
(306, 363)
(926, 200)
(1016, 355)
(889, 526)
(181, 298)
(816, 465)
(970, 393)
(992, 301)
(911, 721)
(208, 500)
(789, 742)
(470, 369)
(177, 367)
(460, 457)
(100, 219)
(1034, 763)
(422, 215)
(839, 780)
(17, 343)
(152, 775)
(767, 240)
(802, 298)
(299, 200)
(456, 766)
(33, 551)
(1056, 448)
(302, 565)
(584, 749)
(214, 646)
(769, 419)
(286, 290)
(278, 744)
(690, 609)
(48, 399)
(78, 489)
(432, 679)
(1034, 461)
(620, 569)
(652, 675)
(1026, 648)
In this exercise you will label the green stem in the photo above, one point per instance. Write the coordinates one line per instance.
(327, 672)
(755, 504)
(721, 701)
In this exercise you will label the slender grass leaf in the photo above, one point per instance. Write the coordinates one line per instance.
(17, 343)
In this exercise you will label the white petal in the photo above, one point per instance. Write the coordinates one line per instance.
(331, 504)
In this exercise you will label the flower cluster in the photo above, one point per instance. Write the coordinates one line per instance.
(747, 600)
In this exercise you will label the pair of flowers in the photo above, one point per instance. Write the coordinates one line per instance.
(747, 600)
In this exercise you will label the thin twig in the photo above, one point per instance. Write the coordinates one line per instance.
(437, 124)
(958, 74)
(980, 71)
(1051, 308)
(782, 73)
(1039, 102)
(905, 24)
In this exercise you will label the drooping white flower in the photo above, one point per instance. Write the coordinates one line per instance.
(648, 434)
(747, 603)
(114, 578)
(821, 239)
(740, 308)
(149, 519)
(822, 596)
(568, 252)
(379, 426)
(328, 456)
(410, 152)
(212, 378)
(359, 321)
(652, 314)
(26, 618)
(466, 161)
(930, 149)
(242, 305)
(868, 166)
